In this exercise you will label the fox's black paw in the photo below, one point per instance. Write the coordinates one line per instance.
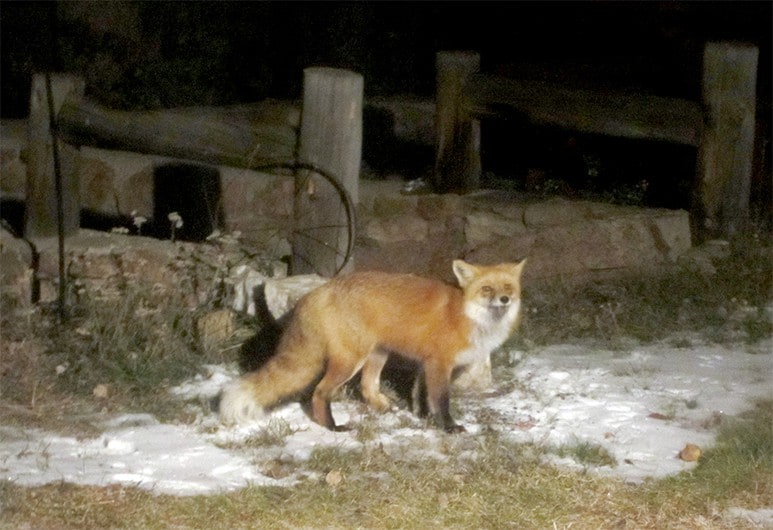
(454, 429)
(341, 428)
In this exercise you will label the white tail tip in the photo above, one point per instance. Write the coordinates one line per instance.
(237, 404)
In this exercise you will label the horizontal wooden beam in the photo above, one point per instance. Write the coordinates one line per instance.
(614, 113)
(240, 136)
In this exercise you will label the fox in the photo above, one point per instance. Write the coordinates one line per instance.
(355, 321)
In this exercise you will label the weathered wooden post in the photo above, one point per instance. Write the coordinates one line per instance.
(331, 139)
(40, 218)
(727, 147)
(457, 155)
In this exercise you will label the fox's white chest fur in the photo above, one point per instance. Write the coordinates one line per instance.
(493, 325)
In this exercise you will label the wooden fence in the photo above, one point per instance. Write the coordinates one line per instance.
(721, 126)
(247, 136)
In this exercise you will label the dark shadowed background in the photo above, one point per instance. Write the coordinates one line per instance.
(144, 55)
(165, 54)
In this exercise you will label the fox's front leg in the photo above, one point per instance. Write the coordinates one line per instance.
(438, 379)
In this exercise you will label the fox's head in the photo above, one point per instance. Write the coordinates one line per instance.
(492, 293)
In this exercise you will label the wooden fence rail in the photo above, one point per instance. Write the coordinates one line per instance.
(721, 126)
(623, 114)
(242, 136)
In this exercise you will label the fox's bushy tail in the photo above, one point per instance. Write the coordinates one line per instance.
(293, 369)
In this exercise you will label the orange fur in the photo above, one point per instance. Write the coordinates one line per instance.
(352, 322)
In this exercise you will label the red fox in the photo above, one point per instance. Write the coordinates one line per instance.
(355, 321)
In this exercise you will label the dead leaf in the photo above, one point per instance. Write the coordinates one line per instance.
(443, 501)
(101, 391)
(690, 453)
(334, 478)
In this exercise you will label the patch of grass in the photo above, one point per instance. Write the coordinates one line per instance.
(272, 434)
(324, 459)
(368, 427)
(730, 305)
(128, 344)
(737, 470)
(744, 450)
(587, 453)
(112, 353)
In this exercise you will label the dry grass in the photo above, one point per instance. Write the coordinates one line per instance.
(132, 346)
(731, 305)
(139, 344)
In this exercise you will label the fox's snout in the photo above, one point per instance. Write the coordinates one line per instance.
(499, 305)
(499, 301)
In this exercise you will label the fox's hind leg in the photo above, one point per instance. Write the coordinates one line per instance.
(339, 370)
(371, 380)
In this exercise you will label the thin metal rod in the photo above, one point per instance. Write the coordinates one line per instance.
(59, 199)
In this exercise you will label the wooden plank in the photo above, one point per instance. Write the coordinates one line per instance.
(331, 139)
(41, 216)
(457, 154)
(239, 136)
(624, 114)
(725, 158)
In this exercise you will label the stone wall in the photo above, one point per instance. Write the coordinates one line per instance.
(560, 237)
(397, 232)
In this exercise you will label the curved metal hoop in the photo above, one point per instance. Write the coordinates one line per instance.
(343, 194)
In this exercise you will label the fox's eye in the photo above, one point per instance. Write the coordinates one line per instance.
(487, 290)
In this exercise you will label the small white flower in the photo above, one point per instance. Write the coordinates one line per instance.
(175, 218)
(139, 221)
(62, 368)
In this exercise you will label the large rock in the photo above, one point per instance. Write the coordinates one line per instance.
(16, 268)
(633, 241)
(246, 283)
(435, 206)
(390, 204)
(589, 238)
(554, 212)
(283, 293)
(13, 171)
(482, 227)
(396, 228)
(108, 262)
(117, 182)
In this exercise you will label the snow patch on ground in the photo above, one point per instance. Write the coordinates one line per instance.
(642, 406)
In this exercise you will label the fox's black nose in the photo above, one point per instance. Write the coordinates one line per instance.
(504, 299)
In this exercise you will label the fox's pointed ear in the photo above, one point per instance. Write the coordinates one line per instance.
(464, 272)
(518, 269)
